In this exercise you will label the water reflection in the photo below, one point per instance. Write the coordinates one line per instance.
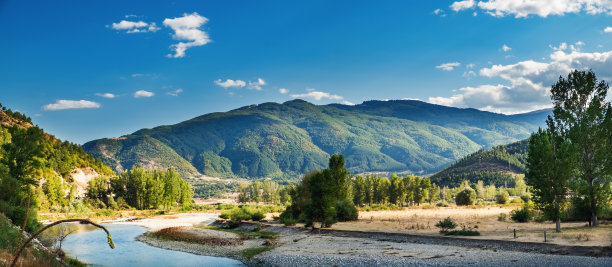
(91, 247)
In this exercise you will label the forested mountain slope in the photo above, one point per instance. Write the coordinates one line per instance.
(289, 139)
(496, 165)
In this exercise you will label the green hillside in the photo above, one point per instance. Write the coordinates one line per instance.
(289, 139)
(496, 165)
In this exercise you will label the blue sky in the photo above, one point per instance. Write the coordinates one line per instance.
(82, 74)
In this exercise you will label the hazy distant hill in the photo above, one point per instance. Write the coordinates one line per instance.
(285, 140)
(496, 165)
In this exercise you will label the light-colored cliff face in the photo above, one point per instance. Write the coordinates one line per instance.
(81, 176)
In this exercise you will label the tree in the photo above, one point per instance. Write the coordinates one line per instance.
(466, 197)
(321, 207)
(550, 166)
(582, 113)
(396, 190)
(358, 190)
(340, 176)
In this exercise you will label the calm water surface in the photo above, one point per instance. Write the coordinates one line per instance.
(91, 247)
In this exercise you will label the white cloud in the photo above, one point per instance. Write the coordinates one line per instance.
(348, 103)
(448, 66)
(506, 48)
(230, 83)
(143, 93)
(528, 82)
(71, 104)
(318, 95)
(106, 95)
(608, 29)
(256, 85)
(462, 5)
(187, 28)
(542, 8)
(175, 92)
(469, 66)
(283, 90)
(135, 26)
(439, 12)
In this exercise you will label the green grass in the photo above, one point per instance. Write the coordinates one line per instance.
(252, 252)
(463, 232)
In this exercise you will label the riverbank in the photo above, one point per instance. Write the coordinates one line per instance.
(296, 246)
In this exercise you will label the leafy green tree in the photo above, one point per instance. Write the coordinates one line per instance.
(359, 190)
(582, 112)
(321, 207)
(397, 192)
(340, 175)
(550, 167)
(466, 197)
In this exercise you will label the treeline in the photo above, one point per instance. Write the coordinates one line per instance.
(15, 114)
(140, 188)
(267, 191)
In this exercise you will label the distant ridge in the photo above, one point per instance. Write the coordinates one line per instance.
(286, 140)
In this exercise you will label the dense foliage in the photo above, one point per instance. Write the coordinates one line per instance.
(497, 165)
(575, 151)
(322, 197)
(28, 158)
(290, 139)
(142, 189)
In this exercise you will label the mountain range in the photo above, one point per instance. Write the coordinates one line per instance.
(289, 139)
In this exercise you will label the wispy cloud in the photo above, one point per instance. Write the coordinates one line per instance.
(106, 95)
(135, 26)
(506, 48)
(448, 66)
(283, 90)
(175, 92)
(608, 29)
(143, 93)
(230, 83)
(541, 8)
(71, 104)
(317, 95)
(256, 85)
(187, 28)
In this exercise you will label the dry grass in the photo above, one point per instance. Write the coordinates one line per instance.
(421, 221)
(181, 234)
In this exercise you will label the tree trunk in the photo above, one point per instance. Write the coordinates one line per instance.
(558, 215)
(593, 204)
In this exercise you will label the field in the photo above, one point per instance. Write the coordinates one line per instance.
(483, 219)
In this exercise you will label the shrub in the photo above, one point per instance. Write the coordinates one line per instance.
(516, 201)
(346, 211)
(521, 215)
(502, 217)
(257, 215)
(511, 191)
(466, 197)
(442, 204)
(286, 217)
(526, 197)
(502, 197)
(446, 225)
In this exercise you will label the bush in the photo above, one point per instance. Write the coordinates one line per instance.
(502, 197)
(516, 201)
(511, 191)
(521, 215)
(346, 211)
(466, 197)
(502, 217)
(442, 204)
(446, 224)
(257, 215)
(526, 197)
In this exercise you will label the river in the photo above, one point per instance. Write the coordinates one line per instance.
(90, 247)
